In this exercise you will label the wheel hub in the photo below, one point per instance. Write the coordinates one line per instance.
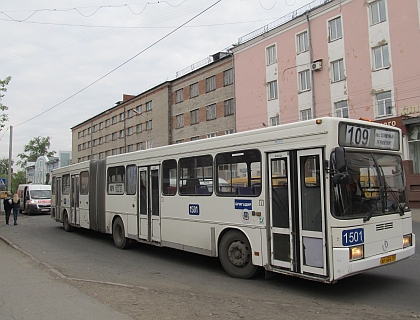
(238, 254)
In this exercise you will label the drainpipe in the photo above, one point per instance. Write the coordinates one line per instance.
(310, 63)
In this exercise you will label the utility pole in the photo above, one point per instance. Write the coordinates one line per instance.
(9, 172)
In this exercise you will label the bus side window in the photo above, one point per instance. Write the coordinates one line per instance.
(169, 177)
(195, 174)
(239, 173)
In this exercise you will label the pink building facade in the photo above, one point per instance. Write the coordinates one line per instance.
(344, 58)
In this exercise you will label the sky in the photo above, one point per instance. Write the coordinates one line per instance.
(71, 60)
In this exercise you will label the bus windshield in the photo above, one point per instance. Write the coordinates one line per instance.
(40, 194)
(376, 186)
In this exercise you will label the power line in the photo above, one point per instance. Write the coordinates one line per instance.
(124, 63)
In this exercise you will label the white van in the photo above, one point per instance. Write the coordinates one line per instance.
(34, 198)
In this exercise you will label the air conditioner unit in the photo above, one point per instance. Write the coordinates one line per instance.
(316, 65)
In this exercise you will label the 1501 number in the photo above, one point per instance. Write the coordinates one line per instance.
(353, 236)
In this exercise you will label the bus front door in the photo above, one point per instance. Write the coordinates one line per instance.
(297, 223)
(311, 212)
(57, 206)
(74, 200)
(282, 250)
(149, 201)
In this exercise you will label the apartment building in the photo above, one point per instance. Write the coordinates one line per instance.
(197, 104)
(344, 58)
(203, 104)
(135, 123)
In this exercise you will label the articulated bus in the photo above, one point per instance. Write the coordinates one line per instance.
(321, 199)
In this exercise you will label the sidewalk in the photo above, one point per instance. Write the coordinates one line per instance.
(29, 291)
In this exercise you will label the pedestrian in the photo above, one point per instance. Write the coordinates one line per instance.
(7, 204)
(16, 207)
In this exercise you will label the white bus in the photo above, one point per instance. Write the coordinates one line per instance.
(320, 199)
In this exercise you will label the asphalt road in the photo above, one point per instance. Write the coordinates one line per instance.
(156, 283)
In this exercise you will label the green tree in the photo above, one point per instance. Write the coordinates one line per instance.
(4, 165)
(17, 179)
(36, 147)
(3, 108)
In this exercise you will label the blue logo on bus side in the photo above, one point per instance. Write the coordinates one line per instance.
(194, 209)
(243, 204)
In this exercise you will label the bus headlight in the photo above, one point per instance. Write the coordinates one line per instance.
(356, 253)
(407, 240)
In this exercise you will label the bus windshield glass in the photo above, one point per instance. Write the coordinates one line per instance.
(40, 194)
(375, 186)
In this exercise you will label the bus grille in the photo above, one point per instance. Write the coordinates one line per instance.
(384, 226)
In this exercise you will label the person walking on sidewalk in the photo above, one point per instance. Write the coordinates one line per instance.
(16, 207)
(7, 204)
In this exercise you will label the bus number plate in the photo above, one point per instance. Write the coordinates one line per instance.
(389, 259)
(352, 237)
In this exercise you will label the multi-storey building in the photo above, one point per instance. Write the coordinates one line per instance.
(135, 123)
(198, 104)
(344, 58)
(203, 104)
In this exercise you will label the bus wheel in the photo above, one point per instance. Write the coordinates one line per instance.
(118, 234)
(236, 256)
(66, 224)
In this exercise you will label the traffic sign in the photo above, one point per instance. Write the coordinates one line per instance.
(2, 182)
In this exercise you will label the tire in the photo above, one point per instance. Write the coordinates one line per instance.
(235, 255)
(66, 224)
(118, 234)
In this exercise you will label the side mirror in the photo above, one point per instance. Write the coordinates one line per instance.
(340, 159)
(341, 178)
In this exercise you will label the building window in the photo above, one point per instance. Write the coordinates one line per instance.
(272, 90)
(139, 109)
(179, 121)
(139, 128)
(337, 70)
(194, 90)
(122, 133)
(305, 114)
(228, 77)
(384, 103)
(114, 119)
(101, 125)
(101, 140)
(274, 121)
(194, 116)
(381, 57)
(107, 153)
(122, 150)
(271, 54)
(89, 144)
(211, 84)
(140, 146)
(130, 148)
(179, 95)
(107, 123)
(149, 125)
(341, 109)
(114, 136)
(114, 152)
(302, 42)
(179, 141)
(211, 135)
(79, 147)
(229, 131)
(108, 138)
(377, 11)
(195, 138)
(122, 116)
(229, 110)
(95, 128)
(304, 81)
(149, 106)
(211, 112)
(149, 144)
(130, 113)
(414, 146)
(335, 29)
(79, 135)
(89, 130)
(130, 131)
